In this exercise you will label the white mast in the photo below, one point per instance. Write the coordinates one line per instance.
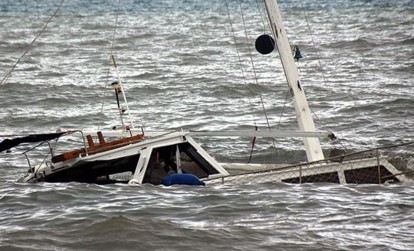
(119, 88)
(303, 113)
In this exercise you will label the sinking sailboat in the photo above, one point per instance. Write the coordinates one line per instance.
(134, 156)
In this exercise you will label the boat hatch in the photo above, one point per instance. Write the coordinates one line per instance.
(163, 162)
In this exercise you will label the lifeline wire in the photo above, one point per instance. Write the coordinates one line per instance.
(3, 81)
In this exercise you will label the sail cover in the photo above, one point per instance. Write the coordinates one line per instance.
(9, 143)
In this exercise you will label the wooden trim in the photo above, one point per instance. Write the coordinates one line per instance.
(94, 149)
(101, 138)
(90, 141)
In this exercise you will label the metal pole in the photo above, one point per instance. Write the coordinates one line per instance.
(379, 167)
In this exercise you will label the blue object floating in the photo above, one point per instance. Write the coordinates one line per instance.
(182, 179)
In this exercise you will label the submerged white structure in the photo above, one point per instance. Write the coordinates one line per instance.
(176, 158)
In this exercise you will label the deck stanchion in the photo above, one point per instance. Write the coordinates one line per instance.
(379, 166)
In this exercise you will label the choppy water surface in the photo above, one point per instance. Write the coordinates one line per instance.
(180, 69)
(249, 217)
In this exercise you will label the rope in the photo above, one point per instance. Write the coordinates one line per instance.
(3, 81)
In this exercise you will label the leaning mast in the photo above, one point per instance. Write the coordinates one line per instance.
(303, 112)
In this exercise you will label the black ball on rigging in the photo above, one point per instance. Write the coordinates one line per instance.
(265, 44)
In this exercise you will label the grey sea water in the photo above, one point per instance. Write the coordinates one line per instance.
(180, 62)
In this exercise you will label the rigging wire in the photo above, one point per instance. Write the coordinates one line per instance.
(119, 82)
(244, 77)
(7, 75)
(110, 60)
(262, 16)
(320, 70)
(267, 21)
(313, 43)
(317, 57)
(254, 69)
(238, 55)
(113, 63)
(255, 75)
(287, 96)
(319, 65)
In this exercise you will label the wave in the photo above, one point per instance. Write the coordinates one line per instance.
(356, 43)
(408, 41)
(409, 68)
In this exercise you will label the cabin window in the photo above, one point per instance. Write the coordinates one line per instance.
(369, 175)
(323, 177)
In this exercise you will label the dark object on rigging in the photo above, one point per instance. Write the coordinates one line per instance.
(296, 53)
(265, 44)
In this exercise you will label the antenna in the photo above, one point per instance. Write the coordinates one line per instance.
(117, 86)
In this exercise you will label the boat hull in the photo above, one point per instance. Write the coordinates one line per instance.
(359, 171)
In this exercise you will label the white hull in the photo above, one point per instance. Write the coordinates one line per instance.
(360, 171)
(140, 162)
